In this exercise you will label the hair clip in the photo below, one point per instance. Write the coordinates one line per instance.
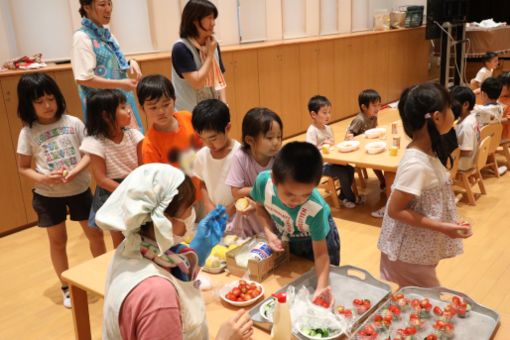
(428, 116)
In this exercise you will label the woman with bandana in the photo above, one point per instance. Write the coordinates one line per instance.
(151, 287)
(97, 60)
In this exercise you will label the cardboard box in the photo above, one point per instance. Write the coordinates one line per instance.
(259, 270)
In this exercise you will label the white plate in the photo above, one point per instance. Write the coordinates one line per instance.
(262, 312)
(374, 133)
(228, 287)
(217, 270)
(348, 146)
(375, 147)
(334, 336)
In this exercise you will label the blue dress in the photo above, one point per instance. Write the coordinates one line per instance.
(110, 64)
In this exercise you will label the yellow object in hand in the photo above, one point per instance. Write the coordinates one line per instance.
(242, 204)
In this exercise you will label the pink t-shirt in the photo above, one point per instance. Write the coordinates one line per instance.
(151, 311)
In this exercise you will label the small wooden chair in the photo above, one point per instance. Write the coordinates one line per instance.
(494, 131)
(467, 179)
(504, 149)
(328, 189)
(362, 176)
(454, 167)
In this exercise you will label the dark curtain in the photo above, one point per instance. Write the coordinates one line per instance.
(499, 10)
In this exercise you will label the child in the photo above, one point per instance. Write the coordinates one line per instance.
(211, 120)
(369, 102)
(262, 139)
(319, 134)
(420, 225)
(504, 99)
(171, 138)
(61, 182)
(467, 128)
(114, 149)
(490, 111)
(287, 197)
(490, 62)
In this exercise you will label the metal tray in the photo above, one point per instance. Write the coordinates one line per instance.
(481, 324)
(347, 283)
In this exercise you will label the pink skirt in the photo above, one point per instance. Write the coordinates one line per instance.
(408, 274)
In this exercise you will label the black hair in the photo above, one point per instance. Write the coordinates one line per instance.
(186, 194)
(101, 111)
(418, 101)
(492, 87)
(317, 102)
(195, 10)
(488, 56)
(33, 86)
(460, 95)
(504, 78)
(258, 121)
(83, 3)
(368, 96)
(153, 87)
(211, 115)
(290, 163)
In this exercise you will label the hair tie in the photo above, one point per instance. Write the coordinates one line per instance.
(428, 116)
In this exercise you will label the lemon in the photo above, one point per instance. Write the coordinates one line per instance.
(220, 252)
(242, 204)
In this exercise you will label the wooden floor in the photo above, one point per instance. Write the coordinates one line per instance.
(31, 306)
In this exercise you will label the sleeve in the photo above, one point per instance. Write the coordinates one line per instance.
(331, 133)
(311, 136)
(137, 135)
(92, 146)
(222, 67)
(24, 147)
(257, 192)
(466, 136)
(319, 224)
(83, 58)
(150, 153)
(410, 178)
(151, 311)
(482, 74)
(355, 126)
(236, 174)
(80, 128)
(182, 59)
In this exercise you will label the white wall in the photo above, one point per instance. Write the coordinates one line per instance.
(359, 15)
(274, 19)
(164, 23)
(8, 48)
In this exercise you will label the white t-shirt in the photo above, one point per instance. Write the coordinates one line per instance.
(318, 136)
(468, 136)
(120, 159)
(488, 114)
(83, 58)
(54, 146)
(482, 74)
(214, 172)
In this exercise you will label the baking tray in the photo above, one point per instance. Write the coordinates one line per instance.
(481, 324)
(347, 283)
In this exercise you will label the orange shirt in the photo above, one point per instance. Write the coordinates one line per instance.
(165, 147)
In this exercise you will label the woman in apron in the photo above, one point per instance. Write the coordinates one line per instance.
(97, 60)
(151, 287)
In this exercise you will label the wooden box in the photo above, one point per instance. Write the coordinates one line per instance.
(259, 270)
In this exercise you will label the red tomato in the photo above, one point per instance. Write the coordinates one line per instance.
(456, 300)
(413, 316)
(437, 311)
(236, 291)
(243, 289)
(357, 302)
(410, 331)
(242, 283)
(424, 302)
(378, 318)
(431, 337)
(230, 297)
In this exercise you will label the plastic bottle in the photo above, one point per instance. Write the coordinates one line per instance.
(282, 327)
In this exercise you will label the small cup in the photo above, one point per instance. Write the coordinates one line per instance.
(325, 149)
(349, 136)
(396, 141)
(393, 150)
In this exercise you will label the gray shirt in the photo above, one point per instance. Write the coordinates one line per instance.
(362, 123)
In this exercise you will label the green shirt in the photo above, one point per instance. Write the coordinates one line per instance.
(308, 219)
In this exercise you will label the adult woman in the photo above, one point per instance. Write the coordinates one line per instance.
(96, 57)
(197, 68)
(150, 287)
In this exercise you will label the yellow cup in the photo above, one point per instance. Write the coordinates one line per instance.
(393, 151)
(325, 149)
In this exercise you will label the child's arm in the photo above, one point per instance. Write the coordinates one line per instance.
(265, 220)
(139, 153)
(208, 204)
(99, 173)
(321, 261)
(25, 168)
(82, 165)
(398, 209)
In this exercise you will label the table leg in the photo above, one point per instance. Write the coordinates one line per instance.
(389, 178)
(80, 313)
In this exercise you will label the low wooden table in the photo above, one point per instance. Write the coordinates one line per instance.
(90, 276)
(382, 161)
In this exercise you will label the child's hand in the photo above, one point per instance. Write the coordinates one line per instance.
(460, 230)
(274, 242)
(54, 177)
(128, 84)
(323, 297)
(246, 210)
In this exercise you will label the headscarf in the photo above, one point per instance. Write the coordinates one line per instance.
(142, 197)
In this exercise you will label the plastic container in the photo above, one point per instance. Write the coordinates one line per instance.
(282, 327)
(260, 252)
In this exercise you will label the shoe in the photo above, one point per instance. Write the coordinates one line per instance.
(348, 204)
(360, 200)
(379, 213)
(502, 169)
(66, 297)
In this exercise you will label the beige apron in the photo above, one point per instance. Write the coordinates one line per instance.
(124, 274)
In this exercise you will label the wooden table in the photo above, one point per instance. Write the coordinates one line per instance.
(382, 161)
(89, 277)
